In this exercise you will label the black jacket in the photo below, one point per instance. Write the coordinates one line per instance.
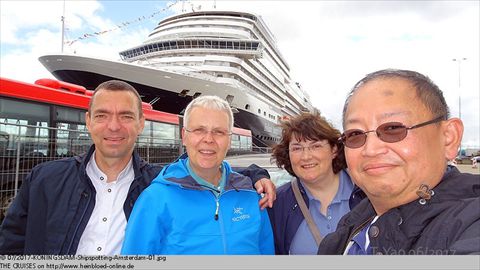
(449, 222)
(56, 200)
(286, 217)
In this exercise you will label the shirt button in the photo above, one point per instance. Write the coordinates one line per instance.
(99, 248)
(101, 178)
(109, 190)
(104, 219)
(329, 217)
(373, 231)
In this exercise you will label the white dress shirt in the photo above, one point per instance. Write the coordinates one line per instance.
(105, 230)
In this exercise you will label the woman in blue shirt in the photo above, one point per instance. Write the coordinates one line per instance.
(310, 151)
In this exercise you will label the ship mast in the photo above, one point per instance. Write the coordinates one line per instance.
(63, 25)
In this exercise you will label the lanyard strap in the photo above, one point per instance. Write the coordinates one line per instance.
(306, 213)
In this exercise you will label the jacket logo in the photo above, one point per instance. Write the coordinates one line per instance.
(238, 210)
(238, 214)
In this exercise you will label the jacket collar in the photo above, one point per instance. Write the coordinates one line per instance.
(177, 173)
(448, 188)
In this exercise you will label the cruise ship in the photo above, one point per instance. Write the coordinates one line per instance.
(229, 54)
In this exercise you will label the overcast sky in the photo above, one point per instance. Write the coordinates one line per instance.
(329, 45)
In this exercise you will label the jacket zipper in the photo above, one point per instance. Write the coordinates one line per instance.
(216, 210)
(357, 230)
(78, 225)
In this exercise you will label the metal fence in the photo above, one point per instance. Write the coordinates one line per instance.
(24, 146)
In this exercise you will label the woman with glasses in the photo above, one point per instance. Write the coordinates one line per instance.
(198, 205)
(311, 152)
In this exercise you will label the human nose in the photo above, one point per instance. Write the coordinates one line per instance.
(208, 136)
(306, 152)
(373, 145)
(114, 123)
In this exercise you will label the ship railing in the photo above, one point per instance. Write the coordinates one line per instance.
(261, 150)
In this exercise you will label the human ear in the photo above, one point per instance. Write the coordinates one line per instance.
(453, 132)
(183, 136)
(334, 152)
(87, 120)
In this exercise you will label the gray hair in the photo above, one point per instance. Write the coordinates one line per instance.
(426, 90)
(209, 102)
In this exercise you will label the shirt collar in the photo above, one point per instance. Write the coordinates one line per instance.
(92, 164)
(345, 187)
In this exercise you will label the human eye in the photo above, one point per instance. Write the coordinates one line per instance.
(127, 117)
(295, 149)
(199, 131)
(393, 127)
(219, 133)
(353, 133)
(100, 116)
(316, 146)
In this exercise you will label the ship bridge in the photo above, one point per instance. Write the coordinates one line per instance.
(241, 48)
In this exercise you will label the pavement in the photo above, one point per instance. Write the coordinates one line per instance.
(468, 168)
(263, 160)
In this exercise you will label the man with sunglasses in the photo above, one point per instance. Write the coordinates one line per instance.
(398, 139)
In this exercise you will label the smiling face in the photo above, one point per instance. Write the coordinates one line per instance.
(390, 173)
(206, 151)
(311, 160)
(114, 124)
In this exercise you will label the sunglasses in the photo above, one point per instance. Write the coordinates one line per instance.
(388, 132)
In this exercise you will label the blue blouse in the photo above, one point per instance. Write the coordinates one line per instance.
(303, 241)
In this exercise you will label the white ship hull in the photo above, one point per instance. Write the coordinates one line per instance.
(167, 86)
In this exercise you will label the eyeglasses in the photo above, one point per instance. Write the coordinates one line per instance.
(202, 132)
(298, 149)
(388, 132)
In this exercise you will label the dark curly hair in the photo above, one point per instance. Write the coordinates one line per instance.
(308, 126)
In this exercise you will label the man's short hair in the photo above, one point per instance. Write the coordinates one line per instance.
(116, 85)
(209, 102)
(426, 90)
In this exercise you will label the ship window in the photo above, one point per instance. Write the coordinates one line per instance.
(247, 107)
(223, 44)
(181, 44)
(259, 111)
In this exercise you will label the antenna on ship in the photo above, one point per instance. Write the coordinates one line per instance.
(63, 25)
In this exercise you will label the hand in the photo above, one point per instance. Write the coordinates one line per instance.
(267, 187)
